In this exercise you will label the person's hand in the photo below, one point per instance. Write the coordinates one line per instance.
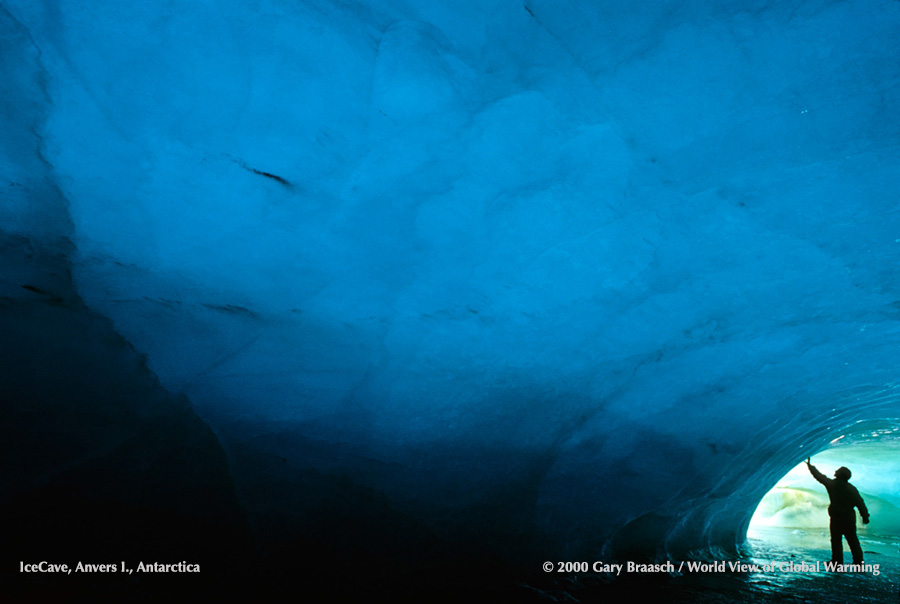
(807, 461)
(865, 521)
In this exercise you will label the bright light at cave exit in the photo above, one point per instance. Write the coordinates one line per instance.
(799, 505)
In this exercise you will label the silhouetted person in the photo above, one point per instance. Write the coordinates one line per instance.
(844, 497)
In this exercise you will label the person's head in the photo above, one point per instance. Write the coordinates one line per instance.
(842, 473)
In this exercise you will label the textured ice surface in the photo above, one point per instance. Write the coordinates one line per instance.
(594, 274)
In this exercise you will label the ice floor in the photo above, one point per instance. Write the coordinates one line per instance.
(778, 546)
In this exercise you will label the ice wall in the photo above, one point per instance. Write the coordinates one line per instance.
(95, 456)
(595, 274)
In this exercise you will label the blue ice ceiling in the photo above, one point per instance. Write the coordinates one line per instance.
(527, 253)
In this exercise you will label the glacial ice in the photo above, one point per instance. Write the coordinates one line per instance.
(561, 278)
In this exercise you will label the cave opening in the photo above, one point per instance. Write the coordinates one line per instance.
(792, 518)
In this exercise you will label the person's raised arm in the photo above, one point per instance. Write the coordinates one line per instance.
(816, 474)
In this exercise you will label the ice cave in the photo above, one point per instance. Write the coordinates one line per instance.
(404, 299)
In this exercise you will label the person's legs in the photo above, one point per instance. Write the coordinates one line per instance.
(853, 542)
(837, 546)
